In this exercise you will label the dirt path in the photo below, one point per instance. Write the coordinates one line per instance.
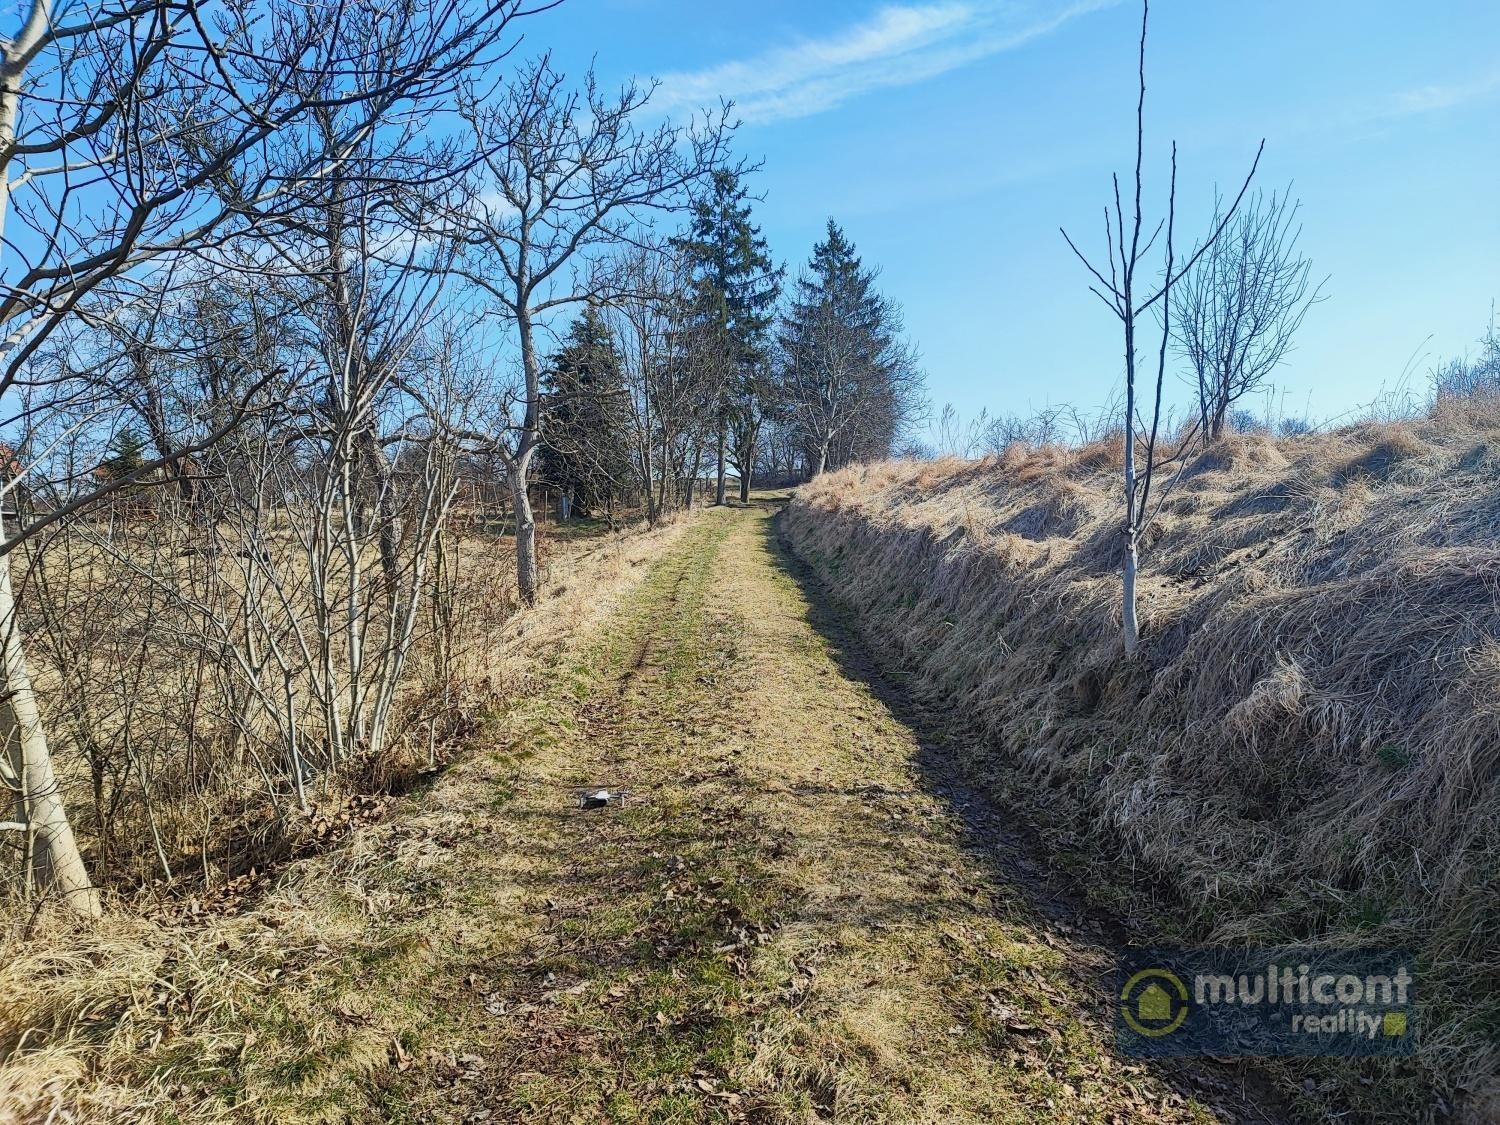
(787, 920)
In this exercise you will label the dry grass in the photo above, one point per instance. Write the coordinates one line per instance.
(783, 926)
(177, 1014)
(175, 772)
(1310, 746)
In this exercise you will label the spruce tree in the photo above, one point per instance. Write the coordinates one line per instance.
(735, 291)
(126, 455)
(846, 382)
(584, 446)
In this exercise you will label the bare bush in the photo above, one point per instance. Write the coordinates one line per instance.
(138, 142)
(1236, 310)
(1471, 378)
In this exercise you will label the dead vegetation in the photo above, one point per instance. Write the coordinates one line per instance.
(190, 736)
(781, 925)
(173, 975)
(1309, 747)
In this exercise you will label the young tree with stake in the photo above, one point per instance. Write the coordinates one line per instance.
(1122, 291)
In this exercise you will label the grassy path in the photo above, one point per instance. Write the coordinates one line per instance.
(782, 924)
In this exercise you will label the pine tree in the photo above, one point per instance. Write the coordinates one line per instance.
(736, 288)
(584, 447)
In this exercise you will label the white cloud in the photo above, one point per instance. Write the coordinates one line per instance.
(1429, 99)
(1373, 115)
(897, 46)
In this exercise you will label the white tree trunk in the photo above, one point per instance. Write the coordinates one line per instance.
(526, 567)
(1132, 631)
(1130, 624)
(56, 862)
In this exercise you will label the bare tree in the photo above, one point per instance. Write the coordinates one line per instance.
(1238, 308)
(672, 367)
(1127, 249)
(137, 134)
(565, 174)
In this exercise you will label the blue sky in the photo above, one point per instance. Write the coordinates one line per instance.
(951, 139)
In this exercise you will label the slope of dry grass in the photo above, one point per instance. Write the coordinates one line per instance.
(1309, 747)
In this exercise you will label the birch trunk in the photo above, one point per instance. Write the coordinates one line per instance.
(56, 863)
(54, 857)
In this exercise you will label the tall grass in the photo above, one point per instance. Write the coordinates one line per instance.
(1309, 747)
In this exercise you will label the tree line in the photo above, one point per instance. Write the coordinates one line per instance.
(698, 363)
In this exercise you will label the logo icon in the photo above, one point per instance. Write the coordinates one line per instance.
(1154, 1002)
(1293, 1000)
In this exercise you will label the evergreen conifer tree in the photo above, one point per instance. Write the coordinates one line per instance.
(584, 449)
(846, 381)
(736, 288)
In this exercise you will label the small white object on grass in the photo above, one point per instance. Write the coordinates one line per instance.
(599, 798)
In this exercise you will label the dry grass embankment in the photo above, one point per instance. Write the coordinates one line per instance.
(1309, 747)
